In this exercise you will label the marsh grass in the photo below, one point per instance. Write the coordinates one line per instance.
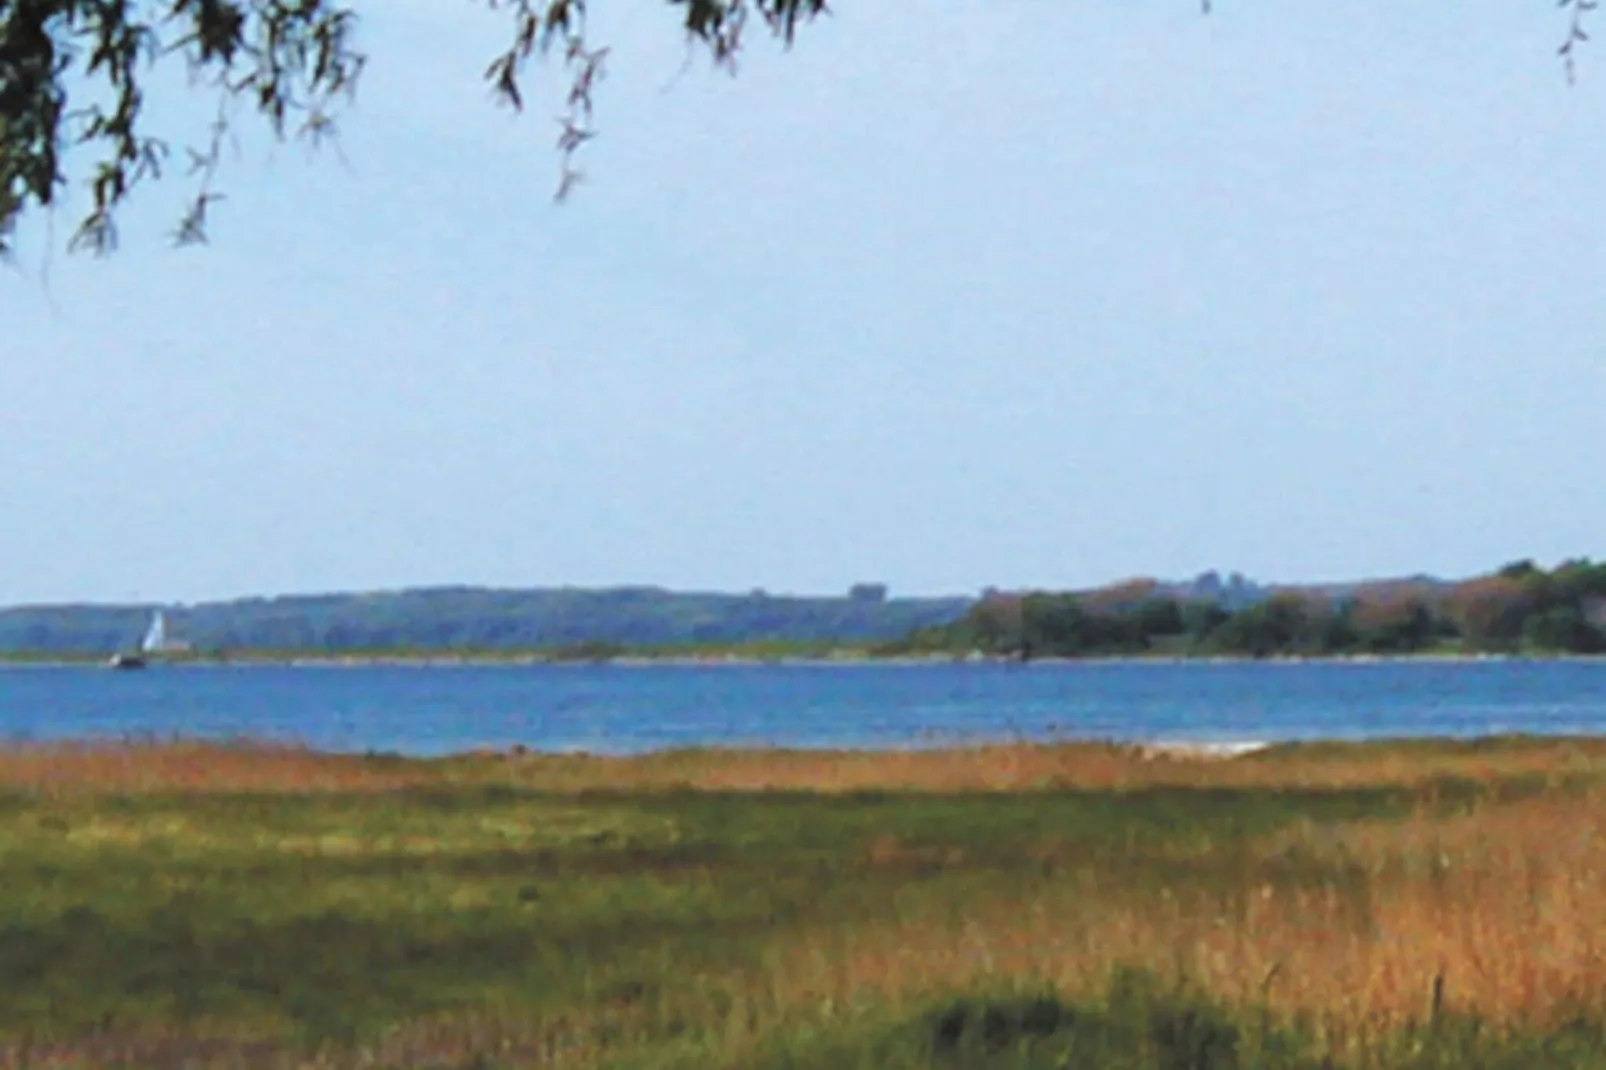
(1085, 905)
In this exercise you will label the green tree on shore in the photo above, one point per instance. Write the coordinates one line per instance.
(1516, 609)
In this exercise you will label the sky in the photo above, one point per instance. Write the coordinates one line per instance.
(985, 292)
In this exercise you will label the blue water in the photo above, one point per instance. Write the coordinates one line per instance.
(615, 709)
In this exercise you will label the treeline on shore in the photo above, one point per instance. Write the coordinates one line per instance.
(579, 622)
(1521, 609)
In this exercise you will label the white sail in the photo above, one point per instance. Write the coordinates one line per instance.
(156, 635)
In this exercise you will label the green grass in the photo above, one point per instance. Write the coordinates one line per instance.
(1143, 1024)
(634, 929)
(334, 916)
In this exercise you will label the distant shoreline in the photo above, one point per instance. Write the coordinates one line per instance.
(845, 660)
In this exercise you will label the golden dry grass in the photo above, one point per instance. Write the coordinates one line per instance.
(1496, 911)
(1040, 767)
(1361, 930)
(132, 768)
(249, 767)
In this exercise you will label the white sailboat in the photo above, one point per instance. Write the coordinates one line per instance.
(154, 642)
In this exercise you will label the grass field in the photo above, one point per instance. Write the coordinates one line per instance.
(1414, 904)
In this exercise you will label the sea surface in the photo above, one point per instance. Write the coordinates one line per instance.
(432, 710)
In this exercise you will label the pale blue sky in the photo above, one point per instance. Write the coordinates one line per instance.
(1008, 292)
